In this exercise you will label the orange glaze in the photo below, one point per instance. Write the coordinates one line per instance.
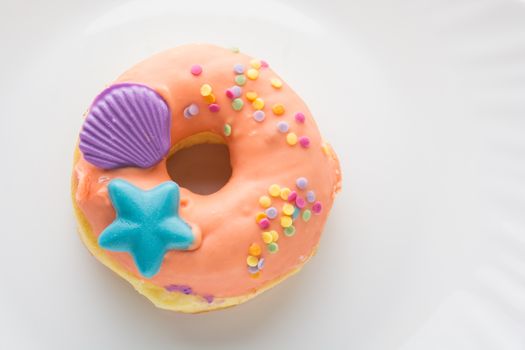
(259, 155)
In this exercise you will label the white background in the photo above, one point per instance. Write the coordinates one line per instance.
(424, 101)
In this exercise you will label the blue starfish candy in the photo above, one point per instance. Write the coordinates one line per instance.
(147, 224)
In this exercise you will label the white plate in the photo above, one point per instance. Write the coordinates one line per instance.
(423, 100)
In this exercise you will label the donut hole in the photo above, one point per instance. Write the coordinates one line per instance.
(201, 168)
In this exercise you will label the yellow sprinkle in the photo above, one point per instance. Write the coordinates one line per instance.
(274, 190)
(252, 73)
(265, 201)
(325, 149)
(252, 260)
(278, 109)
(251, 96)
(255, 63)
(258, 103)
(286, 221)
(285, 192)
(255, 249)
(291, 138)
(275, 236)
(267, 237)
(276, 83)
(259, 216)
(210, 98)
(288, 209)
(206, 90)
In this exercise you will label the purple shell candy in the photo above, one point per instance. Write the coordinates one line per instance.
(127, 125)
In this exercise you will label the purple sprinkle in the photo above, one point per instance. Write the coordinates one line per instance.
(193, 109)
(264, 223)
(299, 117)
(237, 91)
(208, 298)
(214, 107)
(271, 213)
(187, 113)
(292, 196)
(283, 126)
(300, 202)
(260, 264)
(304, 141)
(258, 116)
(317, 207)
(179, 288)
(310, 196)
(253, 269)
(238, 68)
(301, 183)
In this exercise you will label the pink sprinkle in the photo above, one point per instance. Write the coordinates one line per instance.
(304, 141)
(300, 202)
(214, 107)
(292, 196)
(230, 94)
(317, 207)
(299, 117)
(196, 69)
(264, 64)
(264, 223)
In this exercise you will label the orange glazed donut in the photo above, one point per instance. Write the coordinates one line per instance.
(186, 251)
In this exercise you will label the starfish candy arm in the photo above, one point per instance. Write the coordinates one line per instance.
(126, 198)
(149, 257)
(167, 195)
(118, 236)
(176, 233)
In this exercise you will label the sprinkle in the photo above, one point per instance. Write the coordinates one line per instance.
(227, 130)
(187, 113)
(274, 190)
(276, 83)
(285, 193)
(210, 98)
(265, 201)
(238, 68)
(260, 216)
(304, 141)
(300, 202)
(251, 96)
(307, 214)
(289, 231)
(310, 196)
(234, 92)
(278, 109)
(252, 260)
(254, 270)
(271, 213)
(288, 209)
(258, 103)
(260, 265)
(264, 64)
(214, 108)
(196, 69)
(237, 104)
(283, 126)
(255, 63)
(299, 117)
(206, 90)
(240, 79)
(273, 247)
(292, 196)
(317, 207)
(325, 149)
(291, 138)
(296, 213)
(267, 237)
(254, 249)
(286, 221)
(301, 183)
(252, 73)
(193, 109)
(264, 223)
(234, 49)
(275, 236)
(258, 116)
(208, 298)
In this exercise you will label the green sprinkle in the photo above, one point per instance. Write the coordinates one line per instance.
(240, 79)
(234, 49)
(273, 247)
(227, 129)
(289, 231)
(307, 214)
(237, 104)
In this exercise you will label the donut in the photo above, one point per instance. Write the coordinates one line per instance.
(188, 251)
